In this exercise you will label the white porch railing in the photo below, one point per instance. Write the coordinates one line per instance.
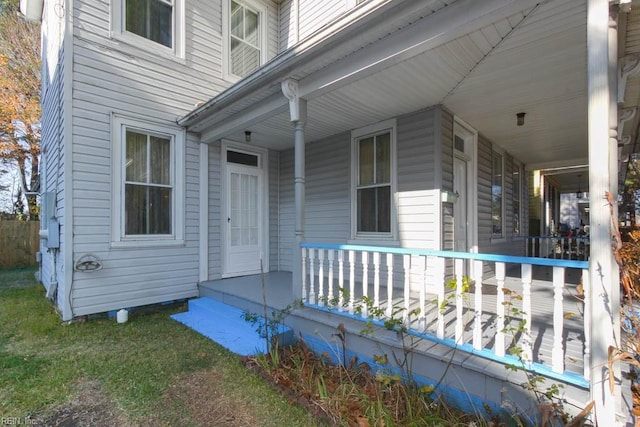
(338, 277)
(576, 248)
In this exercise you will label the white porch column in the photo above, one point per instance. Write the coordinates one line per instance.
(604, 283)
(614, 131)
(298, 114)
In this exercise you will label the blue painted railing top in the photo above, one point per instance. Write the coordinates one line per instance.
(451, 254)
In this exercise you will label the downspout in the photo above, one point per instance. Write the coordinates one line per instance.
(298, 115)
(602, 282)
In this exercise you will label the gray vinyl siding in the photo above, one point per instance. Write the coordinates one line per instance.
(286, 207)
(447, 177)
(273, 171)
(484, 194)
(131, 276)
(112, 77)
(508, 244)
(311, 16)
(52, 168)
(215, 206)
(288, 22)
(328, 189)
(328, 209)
(52, 161)
(315, 14)
(418, 198)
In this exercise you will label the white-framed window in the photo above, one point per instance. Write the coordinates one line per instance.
(497, 194)
(245, 37)
(516, 178)
(373, 189)
(148, 184)
(155, 25)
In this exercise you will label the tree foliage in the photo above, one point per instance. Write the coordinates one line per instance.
(629, 194)
(20, 97)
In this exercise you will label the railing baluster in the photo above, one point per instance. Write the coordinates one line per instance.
(376, 279)
(312, 277)
(500, 275)
(587, 324)
(389, 310)
(330, 253)
(440, 308)
(304, 275)
(352, 280)
(365, 282)
(422, 316)
(459, 274)
(557, 354)
(477, 315)
(527, 351)
(406, 264)
(341, 280)
(320, 298)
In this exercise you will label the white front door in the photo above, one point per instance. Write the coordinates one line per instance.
(243, 220)
(460, 207)
(464, 172)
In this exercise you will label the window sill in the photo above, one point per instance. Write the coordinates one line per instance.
(144, 48)
(145, 244)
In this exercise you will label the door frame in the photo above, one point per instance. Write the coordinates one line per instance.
(470, 136)
(263, 162)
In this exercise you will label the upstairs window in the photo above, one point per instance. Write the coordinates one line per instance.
(151, 19)
(153, 25)
(374, 181)
(246, 37)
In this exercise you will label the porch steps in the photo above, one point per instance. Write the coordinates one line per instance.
(226, 325)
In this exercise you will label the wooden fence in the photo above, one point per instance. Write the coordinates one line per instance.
(19, 242)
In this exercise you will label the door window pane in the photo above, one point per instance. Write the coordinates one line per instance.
(243, 209)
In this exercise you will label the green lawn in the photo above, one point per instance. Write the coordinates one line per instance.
(139, 365)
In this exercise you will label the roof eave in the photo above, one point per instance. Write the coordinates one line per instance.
(281, 66)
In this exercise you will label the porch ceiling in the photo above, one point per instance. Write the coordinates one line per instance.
(532, 60)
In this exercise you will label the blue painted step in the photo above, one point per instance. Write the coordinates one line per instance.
(226, 325)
